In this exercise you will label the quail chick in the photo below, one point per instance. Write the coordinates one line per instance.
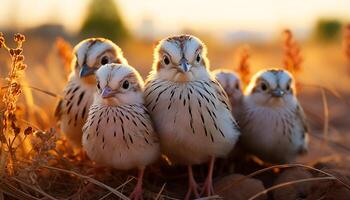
(189, 108)
(118, 132)
(273, 123)
(72, 110)
(231, 83)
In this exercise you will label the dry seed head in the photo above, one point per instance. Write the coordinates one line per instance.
(2, 40)
(347, 42)
(9, 127)
(65, 53)
(243, 66)
(19, 38)
(292, 58)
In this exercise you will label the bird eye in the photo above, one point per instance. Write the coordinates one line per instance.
(126, 84)
(166, 60)
(98, 85)
(237, 86)
(288, 87)
(263, 86)
(104, 60)
(198, 58)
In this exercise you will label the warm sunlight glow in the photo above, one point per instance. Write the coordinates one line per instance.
(213, 16)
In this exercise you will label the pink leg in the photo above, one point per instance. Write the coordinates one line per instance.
(137, 193)
(208, 189)
(192, 185)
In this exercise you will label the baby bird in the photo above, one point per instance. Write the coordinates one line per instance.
(118, 132)
(273, 123)
(189, 108)
(72, 110)
(231, 83)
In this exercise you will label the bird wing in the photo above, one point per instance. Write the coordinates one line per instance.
(58, 110)
(221, 94)
(305, 129)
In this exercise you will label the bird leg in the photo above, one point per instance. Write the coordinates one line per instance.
(208, 189)
(137, 192)
(192, 185)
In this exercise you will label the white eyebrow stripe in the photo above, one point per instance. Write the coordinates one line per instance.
(173, 50)
(284, 79)
(190, 49)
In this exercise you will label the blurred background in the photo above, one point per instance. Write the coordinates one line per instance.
(224, 25)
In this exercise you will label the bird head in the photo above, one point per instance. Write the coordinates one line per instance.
(272, 87)
(118, 84)
(231, 83)
(91, 53)
(181, 58)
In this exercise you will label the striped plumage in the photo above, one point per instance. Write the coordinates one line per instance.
(197, 113)
(73, 109)
(231, 83)
(118, 132)
(189, 108)
(273, 123)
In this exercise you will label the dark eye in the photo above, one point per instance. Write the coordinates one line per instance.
(98, 85)
(166, 60)
(198, 58)
(263, 86)
(104, 60)
(288, 87)
(125, 84)
(237, 86)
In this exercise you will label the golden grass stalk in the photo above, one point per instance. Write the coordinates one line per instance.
(326, 115)
(91, 180)
(290, 183)
(347, 44)
(65, 53)
(160, 192)
(292, 57)
(283, 167)
(243, 67)
(117, 188)
(10, 129)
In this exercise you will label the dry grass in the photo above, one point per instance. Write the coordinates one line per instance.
(243, 65)
(347, 44)
(10, 130)
(292, 59)
(38, 164)
(65, 52)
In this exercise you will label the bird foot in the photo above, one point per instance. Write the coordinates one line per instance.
(136, 194)
(192, 189)
(208, 189)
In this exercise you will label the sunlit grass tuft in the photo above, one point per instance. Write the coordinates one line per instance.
(243, 65)
(292, 59)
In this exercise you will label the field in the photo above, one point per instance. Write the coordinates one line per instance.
(37, 162)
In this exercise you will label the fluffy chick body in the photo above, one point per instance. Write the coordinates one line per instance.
(78, 95)
(192, 120)
(118, 131)
(273, 127)
(231, 83)
(190, 109)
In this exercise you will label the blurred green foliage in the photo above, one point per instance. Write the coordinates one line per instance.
(328, 29)
(104, 20)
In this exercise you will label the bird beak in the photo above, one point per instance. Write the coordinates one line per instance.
(87, 71)
(277, 92)
(185, 66)
(107, 92)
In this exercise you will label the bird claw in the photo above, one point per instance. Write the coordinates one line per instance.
(192, 189)
(208, 189)
(136, 194)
